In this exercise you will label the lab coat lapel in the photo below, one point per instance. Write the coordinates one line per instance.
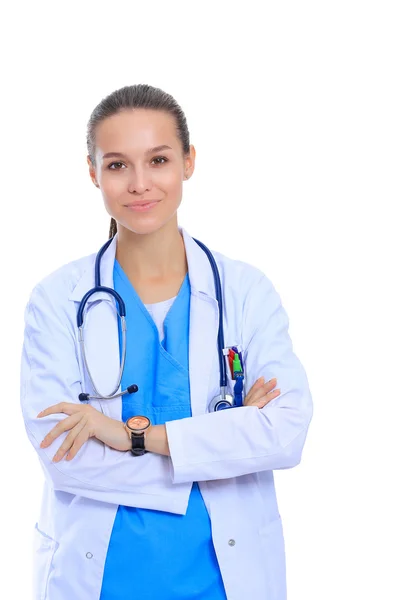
(101, 327)
(203, 327)
(202, 343)
(101, 332)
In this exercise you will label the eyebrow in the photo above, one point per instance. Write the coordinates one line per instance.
(149, 151)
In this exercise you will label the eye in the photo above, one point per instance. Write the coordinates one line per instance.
(161, 158)
(115, 163)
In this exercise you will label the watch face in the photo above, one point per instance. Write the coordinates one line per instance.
(138, 423)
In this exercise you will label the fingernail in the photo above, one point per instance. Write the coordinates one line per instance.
(273, 379)
(261, 379)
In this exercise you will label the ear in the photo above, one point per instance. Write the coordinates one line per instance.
(189, 162)
(92, 171)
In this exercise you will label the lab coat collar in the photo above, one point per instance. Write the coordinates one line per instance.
(200, 273)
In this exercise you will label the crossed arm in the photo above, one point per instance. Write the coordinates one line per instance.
(84, 422)
(180, 451)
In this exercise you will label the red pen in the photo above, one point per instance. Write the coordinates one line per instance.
(231, 356)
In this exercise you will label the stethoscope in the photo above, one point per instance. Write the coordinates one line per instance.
(220, 402)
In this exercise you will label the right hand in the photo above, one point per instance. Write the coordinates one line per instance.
(261, 393)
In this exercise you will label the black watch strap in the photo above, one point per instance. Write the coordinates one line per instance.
(138, 444)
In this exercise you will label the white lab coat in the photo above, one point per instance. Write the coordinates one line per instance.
(231, 453)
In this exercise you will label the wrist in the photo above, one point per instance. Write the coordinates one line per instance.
(137, 428)
(127, 438)
(156, 440)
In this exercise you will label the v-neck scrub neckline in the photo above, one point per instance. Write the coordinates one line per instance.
(128, 285)
(168, 555)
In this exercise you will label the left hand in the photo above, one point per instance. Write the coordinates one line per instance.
(85, 422)
(261, 393)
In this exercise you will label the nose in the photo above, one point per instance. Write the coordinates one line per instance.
(140, 181)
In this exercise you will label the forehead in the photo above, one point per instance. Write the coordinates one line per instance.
(136, 130)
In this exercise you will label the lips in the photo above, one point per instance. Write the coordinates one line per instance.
(142, 207)
(141, 203)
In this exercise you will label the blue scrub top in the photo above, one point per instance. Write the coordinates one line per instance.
(155, 554)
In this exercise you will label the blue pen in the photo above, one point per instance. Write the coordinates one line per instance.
(238, 391)
(238, 375)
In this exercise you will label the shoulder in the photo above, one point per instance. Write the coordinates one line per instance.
(250, 296)
(240, 275)
(248, 291)
(61, 282)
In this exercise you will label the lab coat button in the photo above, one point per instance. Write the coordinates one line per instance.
(231, 542)
(89, 555)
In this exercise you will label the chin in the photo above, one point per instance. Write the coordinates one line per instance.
(143, 226)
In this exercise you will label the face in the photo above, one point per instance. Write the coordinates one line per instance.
(127, 170)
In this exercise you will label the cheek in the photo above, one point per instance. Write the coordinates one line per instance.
(112, 189)
(168, 178)
(173, 190)
(111, 186)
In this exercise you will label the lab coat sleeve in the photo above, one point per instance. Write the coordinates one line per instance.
(50, 374)
(247, 439)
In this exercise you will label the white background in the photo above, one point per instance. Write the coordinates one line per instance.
(293, 108)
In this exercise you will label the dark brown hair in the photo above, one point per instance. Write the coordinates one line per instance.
(140, 95)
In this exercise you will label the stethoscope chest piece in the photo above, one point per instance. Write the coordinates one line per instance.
(221, 402)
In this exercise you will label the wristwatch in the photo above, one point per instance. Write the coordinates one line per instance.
(137, 427)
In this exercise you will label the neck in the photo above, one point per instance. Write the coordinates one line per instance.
(157, 255)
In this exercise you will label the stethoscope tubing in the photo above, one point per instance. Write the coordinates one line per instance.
(218, 294)
(122, 314)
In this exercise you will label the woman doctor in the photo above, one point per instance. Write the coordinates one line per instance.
(194, 514)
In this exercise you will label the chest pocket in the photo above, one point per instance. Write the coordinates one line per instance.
(214, 385)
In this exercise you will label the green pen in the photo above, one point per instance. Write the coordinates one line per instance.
(237, 366)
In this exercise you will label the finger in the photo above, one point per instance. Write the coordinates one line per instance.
(260, 392)
(62, 426)
(80, 439)
(262, 396)
(271, 383)
(270, 396)
(69, 440)
(261, 385)
(256, 386)
(62, 407)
